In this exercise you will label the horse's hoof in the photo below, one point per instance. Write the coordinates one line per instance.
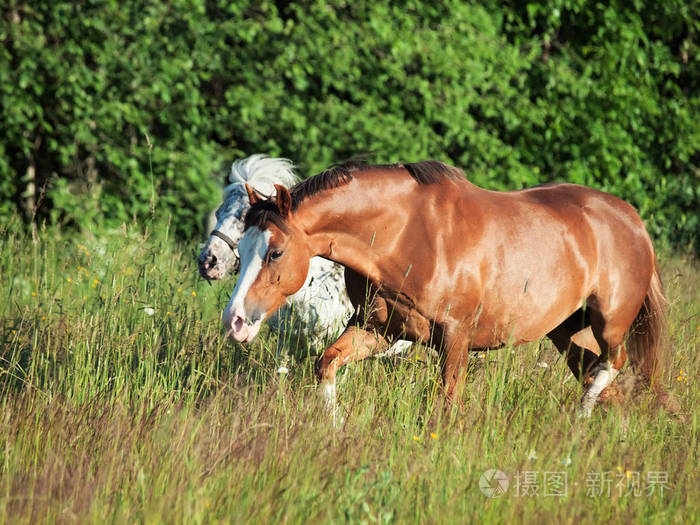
(611, 396)
(584, 411)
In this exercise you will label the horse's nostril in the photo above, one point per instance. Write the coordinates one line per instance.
(237, 324)
(210, 262)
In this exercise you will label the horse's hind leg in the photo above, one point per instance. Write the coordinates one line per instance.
(579, 359)
(609, 331)
(574, 339)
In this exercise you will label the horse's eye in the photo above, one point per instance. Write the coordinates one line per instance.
(275, 254)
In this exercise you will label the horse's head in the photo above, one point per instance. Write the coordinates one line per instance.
(274, 263)
(220, 253)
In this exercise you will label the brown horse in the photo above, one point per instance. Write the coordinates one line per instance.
(431, 257)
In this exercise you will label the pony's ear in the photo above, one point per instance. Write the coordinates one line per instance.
(253, 196)
(284, 200)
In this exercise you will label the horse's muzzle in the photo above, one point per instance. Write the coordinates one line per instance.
(237, 326)
(212, 267)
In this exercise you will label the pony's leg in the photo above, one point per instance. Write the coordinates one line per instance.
(397, 347)
(610, 336)
(354, 344)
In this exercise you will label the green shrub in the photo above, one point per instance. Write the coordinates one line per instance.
(516, 94)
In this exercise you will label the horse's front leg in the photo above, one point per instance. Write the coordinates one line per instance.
(354, 344)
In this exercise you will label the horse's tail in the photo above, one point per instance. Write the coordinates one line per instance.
(648, 345)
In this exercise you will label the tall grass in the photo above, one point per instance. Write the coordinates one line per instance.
(122, 402)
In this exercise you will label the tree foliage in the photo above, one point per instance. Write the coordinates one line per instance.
(122, 110)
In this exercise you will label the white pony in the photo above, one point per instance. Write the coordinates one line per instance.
(321, 308)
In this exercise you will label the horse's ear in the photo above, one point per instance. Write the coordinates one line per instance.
(284, 200)
(253, 196)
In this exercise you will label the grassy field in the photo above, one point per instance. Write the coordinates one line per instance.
(121, 402)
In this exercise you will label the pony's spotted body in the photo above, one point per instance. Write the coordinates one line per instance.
(460, 267)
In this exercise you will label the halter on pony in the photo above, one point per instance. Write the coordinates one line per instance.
(231, 244)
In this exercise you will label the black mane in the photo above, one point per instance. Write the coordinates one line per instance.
(262, 212)
(424, 172)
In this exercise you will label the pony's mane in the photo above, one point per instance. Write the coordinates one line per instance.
(424, 172)
(261, 173)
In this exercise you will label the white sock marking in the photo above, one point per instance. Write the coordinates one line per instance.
(328, 394)
(605, 375)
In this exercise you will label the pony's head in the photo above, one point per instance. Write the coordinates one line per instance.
(274, 263)
(220, 253)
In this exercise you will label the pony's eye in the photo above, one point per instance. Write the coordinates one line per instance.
(275, 254)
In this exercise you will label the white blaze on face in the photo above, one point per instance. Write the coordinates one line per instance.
(237, 320)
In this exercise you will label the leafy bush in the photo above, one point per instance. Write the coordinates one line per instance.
(516, 94)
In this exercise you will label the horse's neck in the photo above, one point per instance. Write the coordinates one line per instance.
(360, 225)
(333, 232)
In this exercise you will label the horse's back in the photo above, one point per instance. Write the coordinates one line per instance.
(619, 250)
(545, 249)
(615, 226)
